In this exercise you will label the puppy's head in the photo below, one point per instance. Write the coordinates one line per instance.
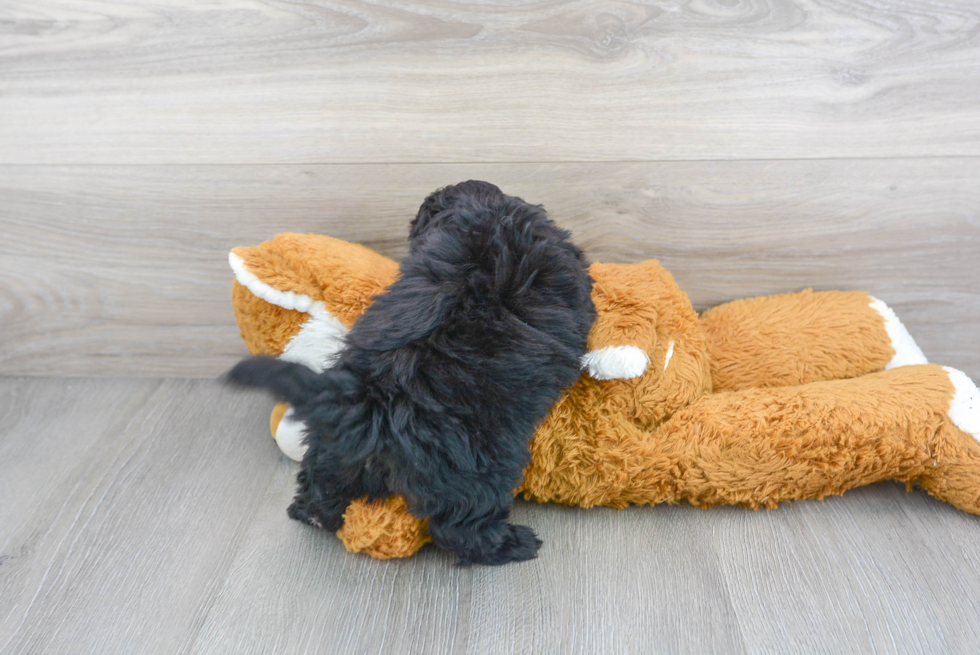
(455, 205)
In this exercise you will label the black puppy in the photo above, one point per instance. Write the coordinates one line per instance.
(445, 377)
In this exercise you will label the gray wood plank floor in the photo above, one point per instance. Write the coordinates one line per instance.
(149, 516)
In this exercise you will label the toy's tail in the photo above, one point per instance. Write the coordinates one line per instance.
(294, 383)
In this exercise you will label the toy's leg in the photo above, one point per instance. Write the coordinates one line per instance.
(383, 529)
(956, 477)
(804, 337)
(288, 431)
(759, 447)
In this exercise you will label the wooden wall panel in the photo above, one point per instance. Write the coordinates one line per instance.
(122, 269)
(336, 81)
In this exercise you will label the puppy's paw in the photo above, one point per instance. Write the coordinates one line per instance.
(329, 521)
(518, 544)
(298, 511)
(523, 544)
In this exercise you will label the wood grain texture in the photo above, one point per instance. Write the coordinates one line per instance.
(854, 574)
(293, 589)
(46, 428)
(339, 81)
(120, 546)
(160, 527)
(599, 586)
(122, 270)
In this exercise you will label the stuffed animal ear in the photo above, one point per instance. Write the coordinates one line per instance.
(296, 295)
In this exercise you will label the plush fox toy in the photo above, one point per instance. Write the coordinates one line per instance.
(753, 403)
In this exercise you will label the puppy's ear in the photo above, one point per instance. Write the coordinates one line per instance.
(295, 383)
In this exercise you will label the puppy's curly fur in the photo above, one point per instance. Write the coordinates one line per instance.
(445, 377)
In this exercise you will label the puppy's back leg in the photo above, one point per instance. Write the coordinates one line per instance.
(474, 526)
(322, 495)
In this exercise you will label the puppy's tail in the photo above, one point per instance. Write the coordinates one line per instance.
(294, 383)
(326, 402)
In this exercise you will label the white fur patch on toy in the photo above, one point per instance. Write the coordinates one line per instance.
(670, 353)
(616, 362)
(320, 338)
(318, 342)
(907, 352)
(964, 409)
(285, 299)
(289, 436)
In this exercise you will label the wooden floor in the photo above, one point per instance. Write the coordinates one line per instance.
(753, 146)
(148, 516)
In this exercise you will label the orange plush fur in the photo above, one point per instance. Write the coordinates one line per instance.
(753, 403)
